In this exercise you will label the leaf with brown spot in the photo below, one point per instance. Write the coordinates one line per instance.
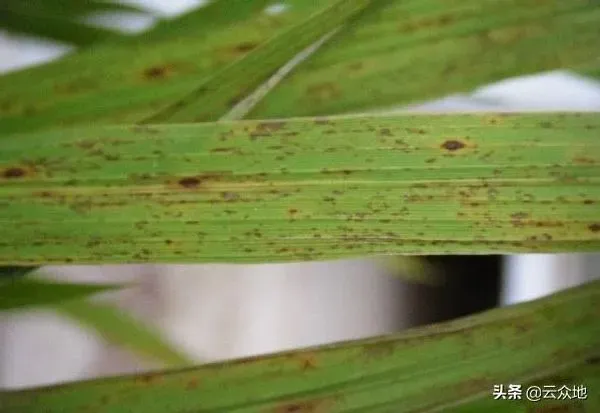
(403, 372)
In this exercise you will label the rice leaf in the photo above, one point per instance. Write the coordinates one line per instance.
(25, 292)
(302, 189)
(120, 328)
(548, 341)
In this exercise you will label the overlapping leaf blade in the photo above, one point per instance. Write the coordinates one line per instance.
(120, 328)
(17, 293)
(130, 79)
(59, 20)
(404, 373)
(373, 63)
(408, 51)
(227, 87)
(302, 189)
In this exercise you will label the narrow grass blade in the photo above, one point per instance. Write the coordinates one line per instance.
(15, 272)
(302, 189)
(120, 328)
(58, 19)
(540, 340)
(126, 80)
(18, 293)
(226, 88)
(409, 51)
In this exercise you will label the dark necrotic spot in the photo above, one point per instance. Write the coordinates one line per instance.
(453, 145)
(156, 72)
(12, 173)
(189, 182)
(245, 47)
(594, 227)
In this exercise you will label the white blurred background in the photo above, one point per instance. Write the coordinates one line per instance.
(215, 312)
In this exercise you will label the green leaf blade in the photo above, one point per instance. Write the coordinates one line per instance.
(122, 329)
(535, 341)
(303, 189)
(25, 292)
(227, 87)
(405, 52)
(138, 75)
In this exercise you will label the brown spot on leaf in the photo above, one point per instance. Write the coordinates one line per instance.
(416, 130)
(307, 361)
(157, 72)
(270, 126)
(594, 227)
(189, 182)
(192, 384)
(224, 150)
(14, 173)
(307, 406)
(245, 47)
(453, 145)
(149, 378)
(584, 160)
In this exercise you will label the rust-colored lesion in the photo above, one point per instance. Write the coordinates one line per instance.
(321, 405)
(417, 131)
(200, 181)
(266, 129)
(595, 227)
(192, 384)
(584, 160)
(16, 172)
(148, 379)
(427, 23)
(245, 47)
(453, 145)
(158, 72)
(307, 361)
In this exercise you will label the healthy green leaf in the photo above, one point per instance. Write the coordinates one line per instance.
(227, 87)
(433, 368)
(127, 80)
(17, 293)
(409, 51)
(122, 329)
(302, 189)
